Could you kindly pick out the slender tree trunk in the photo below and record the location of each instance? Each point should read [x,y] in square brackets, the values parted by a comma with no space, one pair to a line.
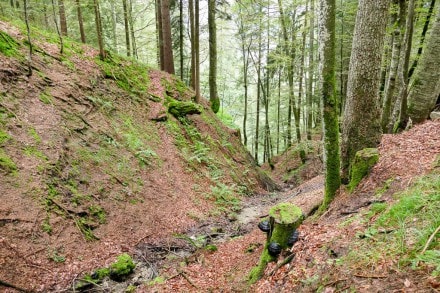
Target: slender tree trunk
[63,21]
[425,84]
[193,50]
[57,28]
[159,29]
[126,27]
[329,99]
[181,37]
[395,59]
[213,95]
[278,111]
[309,93]
[361,126]
[99,29]
[26,19]
[257,113]
[80,22]
[402,104]
[197,48]
[301,67]
[131,22]
[113,22]
[422,39]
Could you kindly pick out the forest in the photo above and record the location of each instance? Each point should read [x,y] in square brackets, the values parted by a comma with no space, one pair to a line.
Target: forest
[162,133]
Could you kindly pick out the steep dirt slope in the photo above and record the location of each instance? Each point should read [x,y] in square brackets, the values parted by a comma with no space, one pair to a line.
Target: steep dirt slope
[92,164]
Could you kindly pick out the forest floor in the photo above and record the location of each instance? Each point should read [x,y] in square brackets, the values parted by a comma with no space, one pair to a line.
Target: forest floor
[403,158]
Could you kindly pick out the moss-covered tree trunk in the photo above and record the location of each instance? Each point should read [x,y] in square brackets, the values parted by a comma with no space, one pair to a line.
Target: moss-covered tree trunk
[284,219]
[425,85]
[361,125]
[329,99]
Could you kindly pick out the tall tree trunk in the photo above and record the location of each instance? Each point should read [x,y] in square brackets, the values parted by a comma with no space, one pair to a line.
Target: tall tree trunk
[213,95]
[99,29]
[181,37]
[131,22]
[26,19]
[395,59]
[197,48]
[57,28]
[168,59]
[290,67]
[63,21]
[329,99]
[301,67]
[113,22]
[400,113]
[278,110]
[126,27]
[258,65]
[309,93]
[425,84]
[159,29]
[193,50]
[361,125]
[80,22]
[422,39]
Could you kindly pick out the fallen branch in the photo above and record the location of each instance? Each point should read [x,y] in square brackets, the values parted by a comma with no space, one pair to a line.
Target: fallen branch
[9,285]
[188,279]
[430,239]
[370,276]
[282,263]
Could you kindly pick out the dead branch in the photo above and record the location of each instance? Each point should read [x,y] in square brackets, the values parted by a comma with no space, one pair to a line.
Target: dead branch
[9,285]
[188,279]
[370,276]
[430,239]
[282,263]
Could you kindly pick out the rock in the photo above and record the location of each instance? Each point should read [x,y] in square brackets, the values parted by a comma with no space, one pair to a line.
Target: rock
[181,109]
[434,115]
[363,161]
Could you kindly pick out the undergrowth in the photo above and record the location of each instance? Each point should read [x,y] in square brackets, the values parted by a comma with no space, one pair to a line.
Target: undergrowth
[402,235]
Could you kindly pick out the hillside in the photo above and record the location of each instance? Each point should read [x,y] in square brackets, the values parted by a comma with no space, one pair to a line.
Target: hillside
[93,163]
[99,158]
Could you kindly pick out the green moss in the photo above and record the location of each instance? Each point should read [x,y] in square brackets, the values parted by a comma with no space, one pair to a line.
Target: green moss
[286,213]
[4,137]
[6,163]
[45,98]
[363,162]
[181,109]
[285,218]
[122,267]
[8,46]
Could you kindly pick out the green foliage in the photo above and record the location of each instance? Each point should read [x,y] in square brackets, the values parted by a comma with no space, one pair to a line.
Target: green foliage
[211,247]
[225,197]
[122,267]
[129,75]
[98,213]
[8,46]
[227,119]
[411,220]
[45,98]
[6,163]
[56,256]
[4,137]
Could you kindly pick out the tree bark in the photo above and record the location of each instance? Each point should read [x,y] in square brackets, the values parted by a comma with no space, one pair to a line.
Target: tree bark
[309,94]
[361,125]
[99,29]
[126,27]
[168,59]
[197,48]
[159,30]
[63,21]
[193,51]
[425,85]
[330,104]
[213,95]
[395,59]
[80,22]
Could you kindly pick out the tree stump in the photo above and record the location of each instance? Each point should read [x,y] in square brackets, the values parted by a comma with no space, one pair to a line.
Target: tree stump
[363,161]
[284,219]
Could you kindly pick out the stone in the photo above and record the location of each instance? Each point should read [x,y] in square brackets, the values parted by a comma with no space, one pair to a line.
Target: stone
[434,115]
[361,166]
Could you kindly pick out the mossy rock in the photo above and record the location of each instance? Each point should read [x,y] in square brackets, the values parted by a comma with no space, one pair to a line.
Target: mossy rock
[284,219]
[122,267]
[181,109]
[363,161]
